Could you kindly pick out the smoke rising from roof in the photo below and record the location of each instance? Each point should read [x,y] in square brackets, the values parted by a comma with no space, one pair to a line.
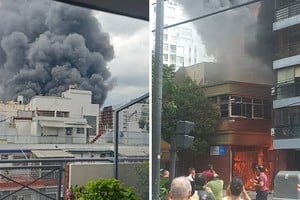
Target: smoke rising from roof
[47,46]
[239,39]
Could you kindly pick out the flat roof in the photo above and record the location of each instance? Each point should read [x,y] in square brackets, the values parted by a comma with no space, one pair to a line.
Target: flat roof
[52,154]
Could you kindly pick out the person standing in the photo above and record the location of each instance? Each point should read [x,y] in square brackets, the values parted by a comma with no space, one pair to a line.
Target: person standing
[191,178]
[202,192]
[236,190]
[209,172]
[216,186]
[180,189]
[261,183]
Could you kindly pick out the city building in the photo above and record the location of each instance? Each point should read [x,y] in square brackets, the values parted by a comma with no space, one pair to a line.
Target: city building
[53,129]
[181,44]
[286,92]
[243,137]
[70,118]
[133,124]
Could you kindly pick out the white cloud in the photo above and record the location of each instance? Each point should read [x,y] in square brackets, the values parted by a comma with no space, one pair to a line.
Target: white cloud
[130,67]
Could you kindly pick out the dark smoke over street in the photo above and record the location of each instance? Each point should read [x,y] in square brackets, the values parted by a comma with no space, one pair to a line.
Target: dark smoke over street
[47,46]
[239,39]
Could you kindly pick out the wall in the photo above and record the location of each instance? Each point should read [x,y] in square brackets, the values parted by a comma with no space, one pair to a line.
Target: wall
[79,174]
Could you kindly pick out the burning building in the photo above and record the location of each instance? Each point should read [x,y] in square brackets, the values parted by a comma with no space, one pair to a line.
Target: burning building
[240,40]
[243,137]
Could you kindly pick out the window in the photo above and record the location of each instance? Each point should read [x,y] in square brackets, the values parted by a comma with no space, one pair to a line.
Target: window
[80,130]
[173,59]
[180,61]
[165,37]
[224,106]
[165,57]
[285,75]
[69,131]
[62,114]
[4,156]
[236,106]
[245,107]
[49,131]
[173,48]
[46,113]
[185,32]
[165,47]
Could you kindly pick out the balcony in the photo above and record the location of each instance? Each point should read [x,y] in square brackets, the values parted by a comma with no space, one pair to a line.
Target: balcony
[287,11]
[288,50]
[286,16]
[286,90]
[287,132]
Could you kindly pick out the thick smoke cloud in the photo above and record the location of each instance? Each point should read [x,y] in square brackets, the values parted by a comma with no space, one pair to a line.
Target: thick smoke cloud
[239,39]
[47,46]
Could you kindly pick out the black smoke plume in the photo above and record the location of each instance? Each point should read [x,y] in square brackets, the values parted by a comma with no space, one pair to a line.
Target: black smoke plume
[47,46]
[240,39]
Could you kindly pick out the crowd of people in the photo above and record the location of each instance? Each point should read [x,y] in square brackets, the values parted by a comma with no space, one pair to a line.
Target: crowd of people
[207,185]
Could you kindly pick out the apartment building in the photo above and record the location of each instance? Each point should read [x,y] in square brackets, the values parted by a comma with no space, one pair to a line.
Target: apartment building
[70,118]
[286,92]
[181,44]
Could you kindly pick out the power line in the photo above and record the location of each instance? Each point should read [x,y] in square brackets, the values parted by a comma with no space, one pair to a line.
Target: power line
[210,14]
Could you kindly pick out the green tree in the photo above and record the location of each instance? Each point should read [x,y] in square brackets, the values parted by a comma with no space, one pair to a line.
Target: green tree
[103,189]
[187,101]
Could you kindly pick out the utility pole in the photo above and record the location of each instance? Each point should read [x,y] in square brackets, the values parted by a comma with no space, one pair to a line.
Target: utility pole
[157,100]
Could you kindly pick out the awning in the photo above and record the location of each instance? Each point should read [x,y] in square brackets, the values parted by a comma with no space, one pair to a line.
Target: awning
[51,154]
[132,8]
[62,125]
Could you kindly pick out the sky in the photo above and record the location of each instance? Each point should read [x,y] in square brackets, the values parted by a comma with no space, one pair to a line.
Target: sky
[130,67]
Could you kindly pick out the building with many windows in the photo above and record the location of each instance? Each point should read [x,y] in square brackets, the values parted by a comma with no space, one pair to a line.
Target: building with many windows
[68,119]
[181,44]
[286,92]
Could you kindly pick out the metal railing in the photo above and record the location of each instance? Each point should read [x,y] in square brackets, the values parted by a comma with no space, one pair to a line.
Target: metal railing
[286,90]
[42,178]
[290,49]
[287,132]
[288,11]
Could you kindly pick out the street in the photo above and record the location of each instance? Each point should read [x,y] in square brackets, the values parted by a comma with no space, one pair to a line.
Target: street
[252,195]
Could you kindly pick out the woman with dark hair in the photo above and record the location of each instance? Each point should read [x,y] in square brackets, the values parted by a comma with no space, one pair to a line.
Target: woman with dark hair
[201,191]
[236,190]
[261,183]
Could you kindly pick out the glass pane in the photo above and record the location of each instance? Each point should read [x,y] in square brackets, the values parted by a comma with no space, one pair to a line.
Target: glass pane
[257,110]
[285,75]
[236,109]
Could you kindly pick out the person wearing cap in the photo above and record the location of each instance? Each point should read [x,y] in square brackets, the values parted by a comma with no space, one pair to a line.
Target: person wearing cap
[209,172]
[261,183]
[216,186]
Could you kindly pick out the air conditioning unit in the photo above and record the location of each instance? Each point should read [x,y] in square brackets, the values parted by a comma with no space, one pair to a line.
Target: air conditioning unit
[272,131]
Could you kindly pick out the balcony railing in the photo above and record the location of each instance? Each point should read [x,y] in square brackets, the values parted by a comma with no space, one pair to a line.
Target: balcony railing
[288,11]
[287,132]
[286,90]
[287,50]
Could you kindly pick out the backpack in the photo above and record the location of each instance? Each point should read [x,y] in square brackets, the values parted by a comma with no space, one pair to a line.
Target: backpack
[203,195]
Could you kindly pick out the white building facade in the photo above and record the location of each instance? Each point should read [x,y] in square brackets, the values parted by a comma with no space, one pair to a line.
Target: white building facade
[182,45]
[68,119]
